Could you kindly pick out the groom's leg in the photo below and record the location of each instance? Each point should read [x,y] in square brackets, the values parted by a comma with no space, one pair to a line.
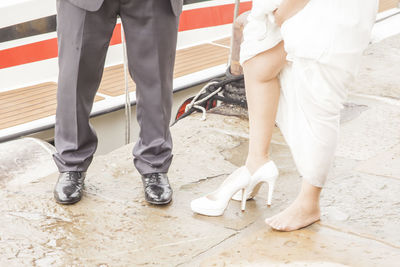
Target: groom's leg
[151,33]
[83,39]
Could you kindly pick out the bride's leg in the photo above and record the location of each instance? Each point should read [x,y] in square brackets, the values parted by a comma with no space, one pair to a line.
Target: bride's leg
[301,213]
[262,93]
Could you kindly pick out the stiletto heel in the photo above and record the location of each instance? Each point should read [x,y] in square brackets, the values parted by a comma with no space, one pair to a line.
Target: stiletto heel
[267,173]
[244,199]
[215,203]
[271,185]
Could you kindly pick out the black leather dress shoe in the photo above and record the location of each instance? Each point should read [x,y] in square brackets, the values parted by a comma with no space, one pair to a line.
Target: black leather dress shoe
[68,189]
[157,189]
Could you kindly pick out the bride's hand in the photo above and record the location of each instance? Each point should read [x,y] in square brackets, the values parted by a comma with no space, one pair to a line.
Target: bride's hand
[278,17]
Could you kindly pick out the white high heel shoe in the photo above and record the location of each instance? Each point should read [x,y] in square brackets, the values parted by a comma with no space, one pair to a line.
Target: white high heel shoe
[267,173]
[215,203]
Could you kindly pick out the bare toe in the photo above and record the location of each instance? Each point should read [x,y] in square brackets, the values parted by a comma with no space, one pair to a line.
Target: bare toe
[275,225]
[269,220]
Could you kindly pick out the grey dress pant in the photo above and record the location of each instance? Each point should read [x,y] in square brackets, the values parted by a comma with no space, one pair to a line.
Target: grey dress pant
[83,37]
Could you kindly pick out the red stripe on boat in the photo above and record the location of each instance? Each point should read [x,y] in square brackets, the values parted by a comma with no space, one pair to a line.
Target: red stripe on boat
[116,37]
[190,20]
[28,53]
[209,16]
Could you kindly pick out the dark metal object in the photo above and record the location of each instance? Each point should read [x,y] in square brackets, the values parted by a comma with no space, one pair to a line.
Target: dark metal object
[237,38]
[233,92]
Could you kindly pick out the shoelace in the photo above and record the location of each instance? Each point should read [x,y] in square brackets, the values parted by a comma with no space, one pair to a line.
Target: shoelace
[70,177]
[154,178]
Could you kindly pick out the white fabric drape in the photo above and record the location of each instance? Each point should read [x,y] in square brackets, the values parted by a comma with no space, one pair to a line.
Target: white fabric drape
[324,43]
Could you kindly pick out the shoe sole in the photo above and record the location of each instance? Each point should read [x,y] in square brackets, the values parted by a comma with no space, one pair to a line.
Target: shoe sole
[207,212]
[159,203]
[67,202]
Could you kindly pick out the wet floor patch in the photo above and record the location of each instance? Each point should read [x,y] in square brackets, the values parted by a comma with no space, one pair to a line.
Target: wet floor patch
[351,111]
[25,160]
[314,246]
[237,155]
[387,163]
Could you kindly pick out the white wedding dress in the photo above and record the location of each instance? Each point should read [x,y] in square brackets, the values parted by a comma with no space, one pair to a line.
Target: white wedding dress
[324,43]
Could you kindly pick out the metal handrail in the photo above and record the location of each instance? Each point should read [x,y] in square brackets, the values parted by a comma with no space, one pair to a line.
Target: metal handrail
[235,15]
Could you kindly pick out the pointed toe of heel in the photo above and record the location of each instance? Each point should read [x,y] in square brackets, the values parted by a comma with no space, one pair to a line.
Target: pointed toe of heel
[214,204]
[204,206]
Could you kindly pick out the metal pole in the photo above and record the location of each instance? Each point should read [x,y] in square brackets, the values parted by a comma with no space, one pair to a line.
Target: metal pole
[235,15]
[128,112]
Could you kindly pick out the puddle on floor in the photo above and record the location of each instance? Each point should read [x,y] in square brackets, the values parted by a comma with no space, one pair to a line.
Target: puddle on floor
[237,155]
[351,111]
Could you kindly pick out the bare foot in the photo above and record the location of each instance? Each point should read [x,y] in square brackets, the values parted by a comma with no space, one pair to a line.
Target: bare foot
[301,213]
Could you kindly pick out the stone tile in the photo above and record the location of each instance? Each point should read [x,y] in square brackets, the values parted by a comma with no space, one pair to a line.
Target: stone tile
[313,246]
[373,131]
[361,203]
[198,146]
[25,160]
[379,72]
[385,164]
[106,227]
